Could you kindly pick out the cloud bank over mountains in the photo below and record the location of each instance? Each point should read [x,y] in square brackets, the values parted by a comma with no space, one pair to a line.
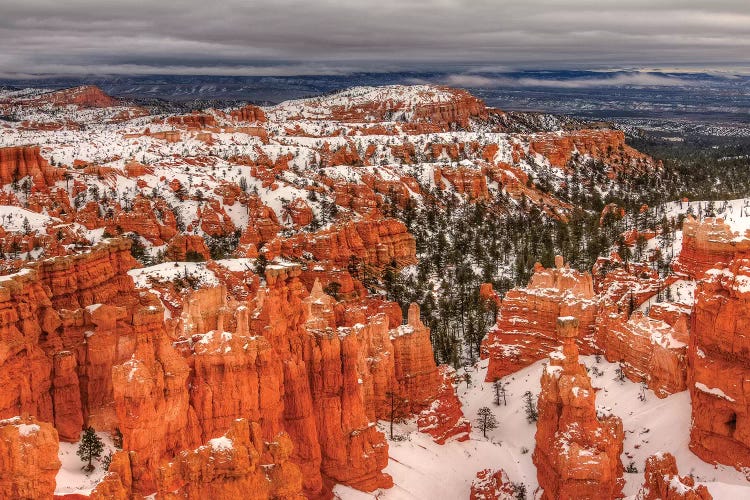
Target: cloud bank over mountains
[290,37]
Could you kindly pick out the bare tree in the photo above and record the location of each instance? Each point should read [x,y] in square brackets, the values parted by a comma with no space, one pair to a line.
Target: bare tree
[486,420]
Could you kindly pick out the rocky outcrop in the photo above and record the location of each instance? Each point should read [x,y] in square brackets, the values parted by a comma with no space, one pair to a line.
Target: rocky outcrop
[154,220]
[597,143]
[214,221]
[47,368]
[709,243]
[184,247]
[193,121]
[371,242]
[96,277]
[472,183]
[426,108]
[526,325]
[248,113]
[649,350]
[663,482]
[28,458]
[577,453]
[627,285]
[234,466]
[492,485]
[719,361]
[444,419]
[117,483]
[457,112]
[299,213]
[85,96]
[18,162]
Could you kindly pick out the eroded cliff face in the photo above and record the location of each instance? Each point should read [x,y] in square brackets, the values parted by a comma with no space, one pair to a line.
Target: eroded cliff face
[444,419]
[597,143]
[649,350]
[577,453]
[283,366]
[28,456]
[55,365]
[526,325]
[19,162]
[719,363]
[709,243]
[373,242]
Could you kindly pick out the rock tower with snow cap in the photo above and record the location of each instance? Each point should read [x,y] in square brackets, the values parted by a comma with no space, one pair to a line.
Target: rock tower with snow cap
[577,453]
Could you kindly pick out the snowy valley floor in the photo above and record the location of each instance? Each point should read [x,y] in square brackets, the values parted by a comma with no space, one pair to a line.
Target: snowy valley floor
[424,470]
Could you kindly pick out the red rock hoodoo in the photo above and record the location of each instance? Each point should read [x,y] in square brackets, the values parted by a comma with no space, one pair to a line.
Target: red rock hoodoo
[492,485]
[20,161]
[577,453]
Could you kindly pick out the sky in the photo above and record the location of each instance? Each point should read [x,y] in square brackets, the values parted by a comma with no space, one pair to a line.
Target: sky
[291,37]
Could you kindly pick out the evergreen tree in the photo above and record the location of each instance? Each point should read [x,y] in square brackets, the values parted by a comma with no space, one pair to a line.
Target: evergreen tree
[91,447]
[260,265]
[332,289]
[530,407]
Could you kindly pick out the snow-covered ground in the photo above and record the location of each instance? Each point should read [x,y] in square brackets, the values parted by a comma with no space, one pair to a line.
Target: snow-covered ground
[422,469]
[681,292]
[71,478]
[736,213]
[171,270]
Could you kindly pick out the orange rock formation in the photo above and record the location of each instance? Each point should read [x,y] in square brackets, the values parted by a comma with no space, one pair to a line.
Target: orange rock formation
[719,361]
[707,244]
[663,482]
[492,485]
[18,162]
[649,350]
[526,326]
[577,454]
[444,419]
[28,458]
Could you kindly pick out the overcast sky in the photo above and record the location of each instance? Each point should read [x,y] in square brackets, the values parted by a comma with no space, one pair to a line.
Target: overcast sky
[287,37]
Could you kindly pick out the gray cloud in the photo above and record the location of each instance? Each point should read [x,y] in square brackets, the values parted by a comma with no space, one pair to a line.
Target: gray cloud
[637,79]
[283,37]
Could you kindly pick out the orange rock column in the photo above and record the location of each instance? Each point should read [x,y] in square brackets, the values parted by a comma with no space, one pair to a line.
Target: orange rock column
[577,455]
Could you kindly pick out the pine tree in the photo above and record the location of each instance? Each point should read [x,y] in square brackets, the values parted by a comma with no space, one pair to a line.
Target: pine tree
[619,374]
[500,393]
[260,265]
[91,447]
[486,420]
[530,407]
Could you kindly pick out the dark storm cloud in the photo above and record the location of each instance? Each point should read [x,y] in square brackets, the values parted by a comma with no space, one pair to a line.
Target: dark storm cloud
[284,37]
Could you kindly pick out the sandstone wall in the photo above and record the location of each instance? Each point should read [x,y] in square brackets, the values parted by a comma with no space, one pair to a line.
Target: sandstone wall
[719,361]
[526,325]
